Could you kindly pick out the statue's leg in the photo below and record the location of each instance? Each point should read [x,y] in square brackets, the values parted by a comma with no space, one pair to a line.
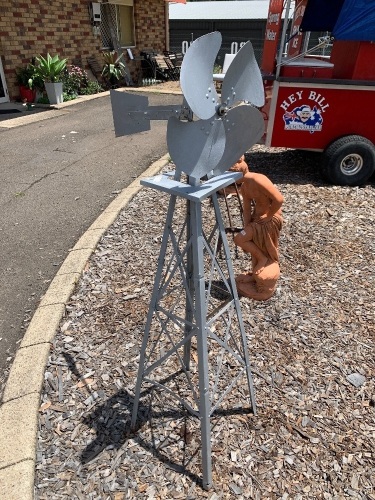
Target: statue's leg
[244,239]
[259,259]
[245,278]
[263,285]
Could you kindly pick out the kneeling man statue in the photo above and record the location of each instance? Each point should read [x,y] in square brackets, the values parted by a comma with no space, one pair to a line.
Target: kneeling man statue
[262,203]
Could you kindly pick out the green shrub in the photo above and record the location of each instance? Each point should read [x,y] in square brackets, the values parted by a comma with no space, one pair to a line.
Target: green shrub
[26,76]
[43,100]
[69,97]
[91,88]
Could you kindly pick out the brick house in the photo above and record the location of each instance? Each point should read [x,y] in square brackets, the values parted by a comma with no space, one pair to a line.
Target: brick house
[77,30]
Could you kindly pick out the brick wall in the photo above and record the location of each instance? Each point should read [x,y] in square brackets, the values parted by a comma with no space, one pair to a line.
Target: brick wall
[150,31]
[150,24]
[64,27]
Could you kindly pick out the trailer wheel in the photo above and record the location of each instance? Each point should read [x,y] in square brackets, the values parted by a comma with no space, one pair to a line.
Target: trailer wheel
[349,161]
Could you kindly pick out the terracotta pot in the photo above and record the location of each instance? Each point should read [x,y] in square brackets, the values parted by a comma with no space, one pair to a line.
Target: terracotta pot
[27,94]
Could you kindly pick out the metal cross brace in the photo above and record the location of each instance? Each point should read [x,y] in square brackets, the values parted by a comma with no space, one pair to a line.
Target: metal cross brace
[186,313]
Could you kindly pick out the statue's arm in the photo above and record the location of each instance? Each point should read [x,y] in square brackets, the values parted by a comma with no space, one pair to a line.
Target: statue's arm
[270,191]
[247,207]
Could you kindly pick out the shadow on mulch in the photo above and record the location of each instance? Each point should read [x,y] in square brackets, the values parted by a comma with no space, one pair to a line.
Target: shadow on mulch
[115,431]
[112,424]
[290,166]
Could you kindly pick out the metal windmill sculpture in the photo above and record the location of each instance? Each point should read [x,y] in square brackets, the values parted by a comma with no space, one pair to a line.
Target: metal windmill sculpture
[194,338]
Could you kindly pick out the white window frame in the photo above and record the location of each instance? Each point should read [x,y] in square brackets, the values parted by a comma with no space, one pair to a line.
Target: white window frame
[5,97]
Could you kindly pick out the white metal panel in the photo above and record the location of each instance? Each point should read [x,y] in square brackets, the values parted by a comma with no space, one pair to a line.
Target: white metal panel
[245,9]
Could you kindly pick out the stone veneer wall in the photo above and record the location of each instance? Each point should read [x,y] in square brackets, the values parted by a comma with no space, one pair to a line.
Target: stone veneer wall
[63,27]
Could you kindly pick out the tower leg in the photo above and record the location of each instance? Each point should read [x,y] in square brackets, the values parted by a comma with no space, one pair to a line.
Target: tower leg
[201,314]
[236,301]
[154,300]
[189,311]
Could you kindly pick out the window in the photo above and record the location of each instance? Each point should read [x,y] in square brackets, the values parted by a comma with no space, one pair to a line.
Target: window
[117,26]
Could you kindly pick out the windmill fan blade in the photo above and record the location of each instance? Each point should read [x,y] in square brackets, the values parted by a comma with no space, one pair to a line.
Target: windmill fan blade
[196,147]
[244,126]
[196,75]
[243,80]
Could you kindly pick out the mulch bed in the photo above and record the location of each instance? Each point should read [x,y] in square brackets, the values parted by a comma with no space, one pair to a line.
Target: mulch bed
[311,350]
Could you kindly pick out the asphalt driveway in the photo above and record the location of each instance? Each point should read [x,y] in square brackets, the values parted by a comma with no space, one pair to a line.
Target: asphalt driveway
[57,174]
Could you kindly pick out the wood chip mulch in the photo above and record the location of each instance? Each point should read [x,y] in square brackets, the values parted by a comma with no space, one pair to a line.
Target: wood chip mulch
[311,350]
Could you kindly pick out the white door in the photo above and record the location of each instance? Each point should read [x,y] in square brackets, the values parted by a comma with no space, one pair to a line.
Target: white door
[4,96]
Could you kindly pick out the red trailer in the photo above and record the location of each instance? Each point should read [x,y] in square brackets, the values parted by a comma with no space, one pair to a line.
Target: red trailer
[317,102]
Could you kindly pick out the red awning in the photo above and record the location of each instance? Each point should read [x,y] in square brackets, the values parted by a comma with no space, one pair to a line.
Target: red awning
[176,1]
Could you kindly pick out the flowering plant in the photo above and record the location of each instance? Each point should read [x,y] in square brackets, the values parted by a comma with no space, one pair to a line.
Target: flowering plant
[74,80]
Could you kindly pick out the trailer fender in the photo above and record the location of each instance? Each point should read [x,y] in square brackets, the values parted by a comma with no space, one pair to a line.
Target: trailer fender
[349,161]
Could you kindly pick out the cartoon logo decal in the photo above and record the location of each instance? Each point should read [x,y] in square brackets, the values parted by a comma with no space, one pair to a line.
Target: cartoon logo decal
[308,115]
[303,118]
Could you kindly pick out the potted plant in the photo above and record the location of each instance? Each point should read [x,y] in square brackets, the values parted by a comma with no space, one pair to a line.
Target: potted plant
[50,69]
[113,69]
[28,82]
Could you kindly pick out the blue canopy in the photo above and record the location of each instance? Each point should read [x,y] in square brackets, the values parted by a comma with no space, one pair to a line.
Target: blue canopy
[345,19]
[356,21]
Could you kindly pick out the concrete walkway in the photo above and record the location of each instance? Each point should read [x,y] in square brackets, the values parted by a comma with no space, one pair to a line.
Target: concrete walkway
[14,114]
[21,399]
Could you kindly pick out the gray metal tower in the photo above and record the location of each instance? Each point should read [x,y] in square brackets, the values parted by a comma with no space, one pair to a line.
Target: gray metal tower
[194,345]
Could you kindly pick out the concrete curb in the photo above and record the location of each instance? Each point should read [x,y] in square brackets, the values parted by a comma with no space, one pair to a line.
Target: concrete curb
[21,399]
